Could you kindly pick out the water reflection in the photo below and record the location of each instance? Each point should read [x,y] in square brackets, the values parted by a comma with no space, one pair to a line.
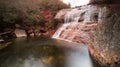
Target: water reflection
[79,58]
[44,52]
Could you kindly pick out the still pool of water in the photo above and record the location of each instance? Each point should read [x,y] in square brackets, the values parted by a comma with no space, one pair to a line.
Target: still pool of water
[44,52]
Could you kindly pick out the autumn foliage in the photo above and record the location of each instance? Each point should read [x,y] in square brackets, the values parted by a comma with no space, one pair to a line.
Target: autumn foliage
[30,12]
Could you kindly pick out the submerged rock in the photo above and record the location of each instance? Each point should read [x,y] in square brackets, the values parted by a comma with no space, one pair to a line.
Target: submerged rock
[3,45]
[20,33]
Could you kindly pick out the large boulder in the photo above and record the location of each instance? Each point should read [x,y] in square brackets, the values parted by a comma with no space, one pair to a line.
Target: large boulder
[105,43]
[1,40]
[20,33]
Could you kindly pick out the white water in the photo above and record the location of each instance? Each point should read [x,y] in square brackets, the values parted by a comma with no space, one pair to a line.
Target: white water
[70,28]
[58,32]
[72,16]
[63,31]
[91,11]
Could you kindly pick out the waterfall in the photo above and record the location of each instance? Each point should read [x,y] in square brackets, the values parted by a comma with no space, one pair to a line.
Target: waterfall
[58,32]
[72,16]
[70,19]
[74,21]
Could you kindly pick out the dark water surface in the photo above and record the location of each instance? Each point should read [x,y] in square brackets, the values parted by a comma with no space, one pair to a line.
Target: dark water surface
[44,52]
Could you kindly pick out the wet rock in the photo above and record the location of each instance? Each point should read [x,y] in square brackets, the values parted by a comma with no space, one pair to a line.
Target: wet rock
[38,34]
[20,33]
[49,33]
[77,32]
[30,31]
[17,26]
[32,35]
[1,40]
[61,13]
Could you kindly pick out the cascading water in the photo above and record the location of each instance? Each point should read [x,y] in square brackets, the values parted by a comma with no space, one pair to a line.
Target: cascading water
[72,16]
[58,32]
[71,28]
[91,13]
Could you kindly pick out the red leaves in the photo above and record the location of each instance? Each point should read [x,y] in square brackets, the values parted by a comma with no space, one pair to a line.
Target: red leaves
[47,15]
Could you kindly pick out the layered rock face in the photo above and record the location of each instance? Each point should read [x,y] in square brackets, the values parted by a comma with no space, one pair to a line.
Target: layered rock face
[75,32]
[99,27]
[105,41]
[79,24]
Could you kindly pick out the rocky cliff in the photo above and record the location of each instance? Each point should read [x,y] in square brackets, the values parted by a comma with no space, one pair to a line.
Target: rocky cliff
[105,43]
[99,28]
[79,23]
